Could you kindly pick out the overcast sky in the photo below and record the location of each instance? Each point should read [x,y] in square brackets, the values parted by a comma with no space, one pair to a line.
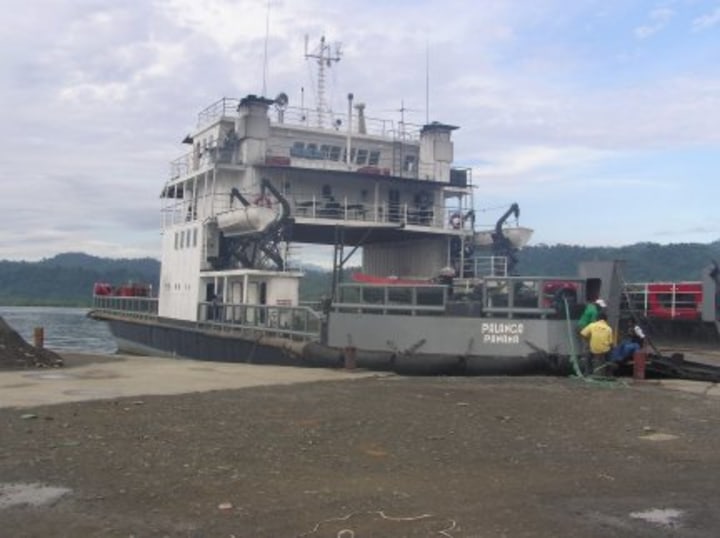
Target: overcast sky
[601,118]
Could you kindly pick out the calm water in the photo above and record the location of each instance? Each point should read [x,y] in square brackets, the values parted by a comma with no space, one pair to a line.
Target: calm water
[66,329]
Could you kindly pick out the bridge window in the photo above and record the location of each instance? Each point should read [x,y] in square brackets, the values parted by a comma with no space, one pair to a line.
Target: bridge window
[297,149]
[374,158]
[311,152]
[335,153]
[352,154]
[409,165]
[362,155]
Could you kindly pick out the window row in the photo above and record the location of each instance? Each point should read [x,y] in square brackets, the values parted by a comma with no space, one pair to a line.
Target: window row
[186,238]
[358,156]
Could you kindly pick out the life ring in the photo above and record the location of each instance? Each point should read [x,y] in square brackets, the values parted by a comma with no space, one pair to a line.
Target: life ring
[456,221]
[263,201]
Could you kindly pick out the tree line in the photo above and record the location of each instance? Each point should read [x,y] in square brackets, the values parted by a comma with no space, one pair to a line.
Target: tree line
[68,279]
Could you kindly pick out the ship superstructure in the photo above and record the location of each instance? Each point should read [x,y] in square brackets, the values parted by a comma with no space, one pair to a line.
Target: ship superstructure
[261,175]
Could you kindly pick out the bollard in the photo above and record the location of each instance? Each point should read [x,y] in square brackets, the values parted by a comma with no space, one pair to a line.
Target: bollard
[39,337]
[349,356]
[639,361]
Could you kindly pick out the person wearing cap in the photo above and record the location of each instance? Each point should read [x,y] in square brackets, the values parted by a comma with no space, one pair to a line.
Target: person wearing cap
[590,314]
[599,335]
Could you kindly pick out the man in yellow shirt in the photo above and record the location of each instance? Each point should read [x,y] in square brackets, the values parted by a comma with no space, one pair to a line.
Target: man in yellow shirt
[600,337]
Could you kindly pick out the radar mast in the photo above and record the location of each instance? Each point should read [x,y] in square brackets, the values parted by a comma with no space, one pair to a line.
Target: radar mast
[325,55]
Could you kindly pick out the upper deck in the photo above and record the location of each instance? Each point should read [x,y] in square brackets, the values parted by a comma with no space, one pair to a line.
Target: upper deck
[305,138]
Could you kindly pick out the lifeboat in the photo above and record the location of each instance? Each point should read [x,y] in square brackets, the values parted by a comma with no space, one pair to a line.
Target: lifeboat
[245,220]
[518,236]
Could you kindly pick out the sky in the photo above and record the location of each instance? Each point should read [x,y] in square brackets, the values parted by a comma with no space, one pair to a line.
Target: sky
[600,118]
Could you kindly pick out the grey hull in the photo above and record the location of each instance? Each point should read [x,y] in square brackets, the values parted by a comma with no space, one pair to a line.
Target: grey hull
[169,338]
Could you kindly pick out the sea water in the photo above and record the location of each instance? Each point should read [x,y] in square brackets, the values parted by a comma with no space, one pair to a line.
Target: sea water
[66,330]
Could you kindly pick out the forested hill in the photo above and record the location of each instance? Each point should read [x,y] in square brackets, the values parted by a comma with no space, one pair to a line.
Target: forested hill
[67,279]
[644,262]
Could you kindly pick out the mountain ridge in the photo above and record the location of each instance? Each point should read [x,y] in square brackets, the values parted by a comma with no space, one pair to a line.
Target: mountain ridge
[67,279]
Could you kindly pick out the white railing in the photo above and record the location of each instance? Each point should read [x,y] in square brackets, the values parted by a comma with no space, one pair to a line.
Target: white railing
[294,322]
[306,117]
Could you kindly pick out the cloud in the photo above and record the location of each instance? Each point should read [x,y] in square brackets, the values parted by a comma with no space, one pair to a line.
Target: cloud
[100,94]
[659,18]
[503,168]
[706,21]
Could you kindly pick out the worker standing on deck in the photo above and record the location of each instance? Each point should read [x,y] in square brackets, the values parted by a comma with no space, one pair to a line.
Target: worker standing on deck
[589,315]
[600,337]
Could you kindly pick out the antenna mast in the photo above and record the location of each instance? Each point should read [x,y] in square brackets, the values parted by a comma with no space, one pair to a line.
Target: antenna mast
[265,55]
[325,57]
[427,83]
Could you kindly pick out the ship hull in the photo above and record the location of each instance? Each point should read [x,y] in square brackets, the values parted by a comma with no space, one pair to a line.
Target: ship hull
[171,338]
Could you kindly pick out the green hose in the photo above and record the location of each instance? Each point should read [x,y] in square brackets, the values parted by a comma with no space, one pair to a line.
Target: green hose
[573,355]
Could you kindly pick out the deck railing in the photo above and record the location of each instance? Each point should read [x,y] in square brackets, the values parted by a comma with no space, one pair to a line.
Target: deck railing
[306,117]
[505,297]
[294,322]
[133,305]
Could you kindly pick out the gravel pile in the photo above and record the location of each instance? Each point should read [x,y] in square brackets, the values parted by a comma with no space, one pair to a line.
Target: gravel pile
[17,354]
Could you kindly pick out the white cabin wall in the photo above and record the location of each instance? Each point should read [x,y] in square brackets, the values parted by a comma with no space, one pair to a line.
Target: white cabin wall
[436,154]
[253,129]
[420,259]
[179,277]
[283,291]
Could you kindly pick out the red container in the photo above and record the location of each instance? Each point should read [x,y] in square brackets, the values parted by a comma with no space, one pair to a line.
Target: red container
[639,361]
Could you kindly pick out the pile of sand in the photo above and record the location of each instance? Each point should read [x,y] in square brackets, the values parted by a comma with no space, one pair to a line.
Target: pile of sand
[17,354]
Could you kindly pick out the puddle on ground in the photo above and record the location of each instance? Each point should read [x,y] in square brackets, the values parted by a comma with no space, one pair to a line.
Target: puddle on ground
[97,374]
[49,375]
[663,517]
[658,437]
[93,393]
[32,494]
[17,386]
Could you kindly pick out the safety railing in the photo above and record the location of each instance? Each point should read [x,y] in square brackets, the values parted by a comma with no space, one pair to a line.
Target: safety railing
[134,305]
[294,322]
[664,300]
[225,107]
[306,117]
[503,297]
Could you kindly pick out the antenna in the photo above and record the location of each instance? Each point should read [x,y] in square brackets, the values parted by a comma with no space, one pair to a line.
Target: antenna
[427,83]
[325,57]
[265,56]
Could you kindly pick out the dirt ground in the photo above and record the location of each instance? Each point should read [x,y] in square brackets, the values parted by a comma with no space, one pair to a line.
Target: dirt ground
[383,456]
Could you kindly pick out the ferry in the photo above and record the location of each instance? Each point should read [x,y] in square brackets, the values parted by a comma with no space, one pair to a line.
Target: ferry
[436,294]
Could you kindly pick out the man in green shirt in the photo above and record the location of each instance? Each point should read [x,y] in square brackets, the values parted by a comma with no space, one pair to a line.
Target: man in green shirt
[590,314]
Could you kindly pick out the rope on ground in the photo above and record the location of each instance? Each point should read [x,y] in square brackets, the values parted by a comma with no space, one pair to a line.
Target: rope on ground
[349,533]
